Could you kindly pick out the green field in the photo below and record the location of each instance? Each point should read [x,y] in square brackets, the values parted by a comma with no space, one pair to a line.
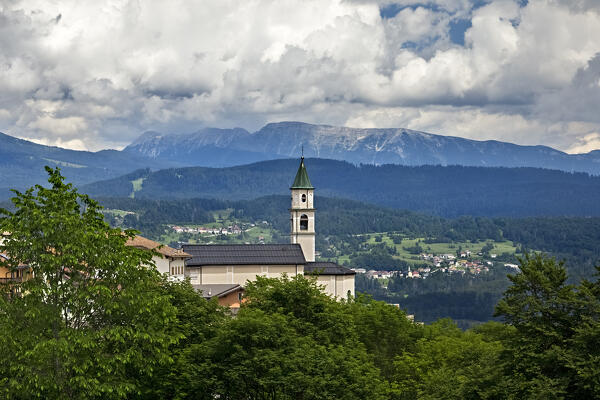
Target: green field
[223,219]
[120,213]
[137,186]
[401,252]
[265,233]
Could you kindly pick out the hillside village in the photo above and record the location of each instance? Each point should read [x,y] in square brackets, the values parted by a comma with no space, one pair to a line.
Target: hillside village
[462,262]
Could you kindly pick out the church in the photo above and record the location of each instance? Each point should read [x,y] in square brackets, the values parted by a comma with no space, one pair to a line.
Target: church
[223,270]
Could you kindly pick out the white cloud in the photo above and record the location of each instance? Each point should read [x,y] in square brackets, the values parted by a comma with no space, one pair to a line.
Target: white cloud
[59,126]
[102,72]
[586,144]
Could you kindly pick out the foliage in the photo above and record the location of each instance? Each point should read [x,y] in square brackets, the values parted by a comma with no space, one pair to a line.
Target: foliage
[450,364]
[289,341]
[92,309]
[197,321]
[554,352]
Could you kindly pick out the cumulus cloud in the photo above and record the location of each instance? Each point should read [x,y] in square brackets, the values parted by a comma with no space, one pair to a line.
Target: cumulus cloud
[96,74]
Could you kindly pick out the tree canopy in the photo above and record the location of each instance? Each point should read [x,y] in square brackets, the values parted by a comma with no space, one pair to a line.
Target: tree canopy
[91,310]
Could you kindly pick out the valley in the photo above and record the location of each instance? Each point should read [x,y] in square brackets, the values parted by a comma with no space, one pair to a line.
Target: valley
[458,266]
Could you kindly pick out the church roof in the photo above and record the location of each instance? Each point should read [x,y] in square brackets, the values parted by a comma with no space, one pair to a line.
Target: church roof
[301,181]
[244,254]
[326,268]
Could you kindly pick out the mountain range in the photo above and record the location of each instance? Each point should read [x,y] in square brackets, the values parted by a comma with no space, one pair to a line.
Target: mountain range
[446,191]
[22,164]
[212,147]
[21,161]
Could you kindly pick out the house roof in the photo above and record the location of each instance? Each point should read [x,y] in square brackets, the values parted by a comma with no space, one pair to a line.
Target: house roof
[218,290]
[144,243]
[301,181]
[244,254]
[326,268]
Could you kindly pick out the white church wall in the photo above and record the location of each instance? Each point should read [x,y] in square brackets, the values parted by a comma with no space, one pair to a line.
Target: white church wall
[348,285]
[243,273]
[194,274]
[216,274]
[337,285]
[240,274]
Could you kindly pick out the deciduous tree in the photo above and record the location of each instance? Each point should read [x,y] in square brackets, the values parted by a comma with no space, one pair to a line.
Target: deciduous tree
[93,319]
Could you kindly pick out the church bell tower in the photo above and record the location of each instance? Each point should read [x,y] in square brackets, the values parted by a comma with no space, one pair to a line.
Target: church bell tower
[302,213]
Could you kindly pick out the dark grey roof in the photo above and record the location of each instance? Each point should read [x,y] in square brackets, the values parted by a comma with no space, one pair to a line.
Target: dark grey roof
[218,290]
[244,254]
[326,268]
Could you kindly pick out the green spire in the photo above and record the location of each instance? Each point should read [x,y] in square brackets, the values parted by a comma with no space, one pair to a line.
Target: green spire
[301,181]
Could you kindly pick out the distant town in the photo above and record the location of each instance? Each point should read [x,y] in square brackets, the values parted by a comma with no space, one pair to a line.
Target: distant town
[444,263]
[463,262]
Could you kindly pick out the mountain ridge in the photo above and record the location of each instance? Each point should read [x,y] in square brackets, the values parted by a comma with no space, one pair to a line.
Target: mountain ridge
[357,145]
[445,191]
[22,163]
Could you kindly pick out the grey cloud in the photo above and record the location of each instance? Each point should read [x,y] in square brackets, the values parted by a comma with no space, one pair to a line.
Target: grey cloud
[576,102]
[102,74]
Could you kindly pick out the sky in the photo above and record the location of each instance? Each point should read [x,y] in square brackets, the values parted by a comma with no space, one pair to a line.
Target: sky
[91,75]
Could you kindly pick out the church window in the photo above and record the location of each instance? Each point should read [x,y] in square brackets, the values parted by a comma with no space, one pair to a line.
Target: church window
[303,222]
[304,198]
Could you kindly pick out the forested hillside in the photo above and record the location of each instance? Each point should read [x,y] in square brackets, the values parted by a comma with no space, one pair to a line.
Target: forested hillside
[341,228]
[445,191]
[22,164]
[576,239]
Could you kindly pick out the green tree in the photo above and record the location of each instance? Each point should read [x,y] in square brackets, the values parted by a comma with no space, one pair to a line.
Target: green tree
[261,355]
[313,312]
[554,351]
[190,375]
[450,364]
[93,319]
[292,341]
[385,331]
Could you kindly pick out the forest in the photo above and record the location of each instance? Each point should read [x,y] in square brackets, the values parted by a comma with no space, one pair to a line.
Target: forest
[448,191]
[96,321]
[573,239]
[467,299]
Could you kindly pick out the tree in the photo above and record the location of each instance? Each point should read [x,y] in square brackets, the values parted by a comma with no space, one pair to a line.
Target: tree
[554,351]
[314,312]
[191,374]
[384,330]
[450,364]
[290,341]
[93,320]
